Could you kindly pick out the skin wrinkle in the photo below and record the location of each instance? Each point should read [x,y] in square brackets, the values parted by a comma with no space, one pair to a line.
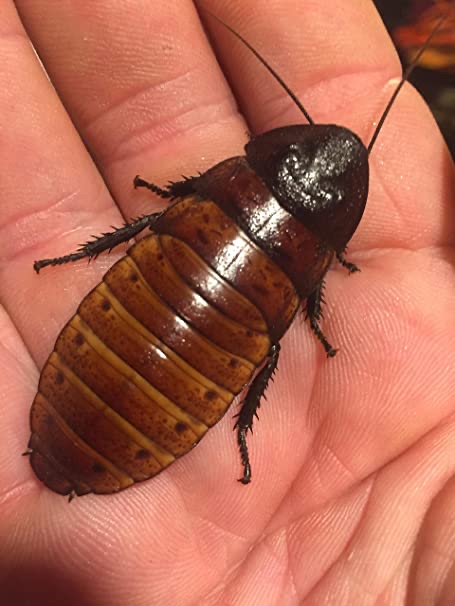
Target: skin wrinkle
[291,573]
[339,495]
[381,183]
[16,492]
[199,518]
[221,588]
[333,456]
[355,530]
[285,529]
[287,576]
[376,473]
[59,235]
[397,585]
[409,553]
[229,573]
[196,542]
[217,572]
[446,556]
[233,567]
[17,361]
[371,476]
[416,441]
[24,217]
[402,219]
[16,34]
[213,595]
[164,140]
[132,96]
[422,546]
[444,586]
[314,435]
[261,534]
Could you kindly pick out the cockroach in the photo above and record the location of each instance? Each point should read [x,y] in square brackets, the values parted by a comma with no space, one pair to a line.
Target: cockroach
[194,313]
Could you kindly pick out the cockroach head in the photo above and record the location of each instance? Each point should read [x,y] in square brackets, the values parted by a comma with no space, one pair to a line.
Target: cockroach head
[319,173]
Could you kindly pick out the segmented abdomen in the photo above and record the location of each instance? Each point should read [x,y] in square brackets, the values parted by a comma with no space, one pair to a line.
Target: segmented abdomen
[155,353]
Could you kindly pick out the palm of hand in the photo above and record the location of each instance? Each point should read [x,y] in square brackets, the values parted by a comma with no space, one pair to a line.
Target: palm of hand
[352,498]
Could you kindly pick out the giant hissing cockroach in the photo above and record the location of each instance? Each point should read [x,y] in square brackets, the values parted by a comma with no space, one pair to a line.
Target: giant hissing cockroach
[156,353]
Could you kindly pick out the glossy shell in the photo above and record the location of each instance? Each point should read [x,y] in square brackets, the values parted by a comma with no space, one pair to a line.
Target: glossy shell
[156,353]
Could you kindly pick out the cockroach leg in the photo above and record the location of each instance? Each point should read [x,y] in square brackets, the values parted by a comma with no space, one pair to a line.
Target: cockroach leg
[159,191]
[250,406]
[174,189]
[106,241]
[314,314]
[351,267]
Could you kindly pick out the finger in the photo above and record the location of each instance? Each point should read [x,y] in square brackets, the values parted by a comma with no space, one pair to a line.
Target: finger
[16,392]
[316,48]
[52,195]
[339,61]
[142,86]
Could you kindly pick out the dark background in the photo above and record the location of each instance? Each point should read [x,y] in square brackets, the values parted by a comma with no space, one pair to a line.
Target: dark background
[436,83]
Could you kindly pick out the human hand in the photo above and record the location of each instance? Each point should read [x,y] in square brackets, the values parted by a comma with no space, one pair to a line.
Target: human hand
[353,495]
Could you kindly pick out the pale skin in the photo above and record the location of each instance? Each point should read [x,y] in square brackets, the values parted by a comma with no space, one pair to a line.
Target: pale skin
[353,494]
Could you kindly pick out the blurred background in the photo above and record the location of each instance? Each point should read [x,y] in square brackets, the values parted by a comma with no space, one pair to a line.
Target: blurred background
[410,22]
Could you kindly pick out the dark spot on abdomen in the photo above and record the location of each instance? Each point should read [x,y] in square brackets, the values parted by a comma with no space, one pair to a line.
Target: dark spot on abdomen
[180,427]
[79,339]
[98,468]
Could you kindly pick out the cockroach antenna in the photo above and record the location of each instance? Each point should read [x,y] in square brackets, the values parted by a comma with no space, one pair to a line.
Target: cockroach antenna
[404,79]
[264,63]
[278,78]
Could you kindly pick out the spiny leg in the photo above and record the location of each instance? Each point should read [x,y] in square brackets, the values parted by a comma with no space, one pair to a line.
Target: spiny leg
[102,243]
[175,189]
[351,267]
[250,407]
[314,315]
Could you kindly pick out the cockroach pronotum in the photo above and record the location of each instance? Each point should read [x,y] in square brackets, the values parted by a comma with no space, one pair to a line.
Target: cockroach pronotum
[194,313]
